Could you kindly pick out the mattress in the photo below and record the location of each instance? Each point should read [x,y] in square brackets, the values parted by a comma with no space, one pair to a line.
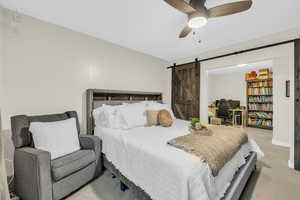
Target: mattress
[164,172]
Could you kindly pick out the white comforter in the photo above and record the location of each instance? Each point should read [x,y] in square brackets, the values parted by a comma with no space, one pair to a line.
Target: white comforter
[165,172]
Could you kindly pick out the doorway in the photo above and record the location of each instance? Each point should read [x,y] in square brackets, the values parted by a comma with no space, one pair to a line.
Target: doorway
[241,95]
[283,106]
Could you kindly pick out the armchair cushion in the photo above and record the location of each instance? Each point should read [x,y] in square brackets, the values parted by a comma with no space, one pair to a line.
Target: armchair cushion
[66,165]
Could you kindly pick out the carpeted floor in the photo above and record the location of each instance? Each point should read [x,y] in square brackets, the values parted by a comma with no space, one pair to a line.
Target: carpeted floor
[273,180]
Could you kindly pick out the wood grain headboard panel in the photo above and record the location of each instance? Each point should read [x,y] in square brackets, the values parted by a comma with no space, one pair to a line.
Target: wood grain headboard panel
[97,97]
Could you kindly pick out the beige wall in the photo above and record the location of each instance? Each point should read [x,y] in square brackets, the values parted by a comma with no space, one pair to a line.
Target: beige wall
[1,60]
[235,87]
[48,68]
[3,183]
[1,64]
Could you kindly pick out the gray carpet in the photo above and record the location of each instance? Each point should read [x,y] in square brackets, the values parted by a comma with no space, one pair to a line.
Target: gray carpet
[103,188]
[273,180]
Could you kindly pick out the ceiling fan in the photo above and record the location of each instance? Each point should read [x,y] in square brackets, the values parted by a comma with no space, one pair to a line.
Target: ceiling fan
[198,13]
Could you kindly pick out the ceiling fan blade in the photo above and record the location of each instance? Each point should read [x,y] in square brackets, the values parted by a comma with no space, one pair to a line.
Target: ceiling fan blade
[229,8]
[181,5]
[185,31]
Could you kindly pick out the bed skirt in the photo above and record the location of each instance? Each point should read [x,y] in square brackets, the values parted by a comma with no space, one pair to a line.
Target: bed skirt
[140,194]
[233,192]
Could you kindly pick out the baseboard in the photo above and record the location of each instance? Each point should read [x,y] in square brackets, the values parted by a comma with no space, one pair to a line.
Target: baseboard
[279,143]
[291,164]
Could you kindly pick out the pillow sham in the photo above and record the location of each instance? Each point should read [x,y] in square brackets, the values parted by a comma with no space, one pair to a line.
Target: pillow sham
[100,117]
[152,117]
[140,102]
[114,117]
[133,115]
[59,138]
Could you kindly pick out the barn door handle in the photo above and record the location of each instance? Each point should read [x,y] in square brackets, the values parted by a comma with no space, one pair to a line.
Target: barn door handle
[287,88]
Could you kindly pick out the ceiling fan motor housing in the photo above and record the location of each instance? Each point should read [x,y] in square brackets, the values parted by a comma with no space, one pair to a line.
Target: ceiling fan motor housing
[198,19]
[202,12]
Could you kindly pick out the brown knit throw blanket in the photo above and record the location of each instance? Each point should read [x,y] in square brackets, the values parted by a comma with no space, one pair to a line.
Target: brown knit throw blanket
[216,150]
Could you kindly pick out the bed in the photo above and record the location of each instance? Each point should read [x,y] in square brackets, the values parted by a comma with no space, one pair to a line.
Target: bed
[164,172]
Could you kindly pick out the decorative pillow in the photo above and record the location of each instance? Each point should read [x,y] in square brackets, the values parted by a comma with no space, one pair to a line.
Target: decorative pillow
[152,117]
[159,106]
[59,138]
[165,118]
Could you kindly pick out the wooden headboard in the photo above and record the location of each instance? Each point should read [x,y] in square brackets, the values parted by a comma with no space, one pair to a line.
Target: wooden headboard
[97,97]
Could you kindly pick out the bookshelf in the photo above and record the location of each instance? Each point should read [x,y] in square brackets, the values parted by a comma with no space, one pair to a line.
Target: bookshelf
[260,103]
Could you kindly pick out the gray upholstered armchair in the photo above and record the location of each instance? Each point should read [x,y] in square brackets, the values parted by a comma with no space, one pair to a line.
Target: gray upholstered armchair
[37,177]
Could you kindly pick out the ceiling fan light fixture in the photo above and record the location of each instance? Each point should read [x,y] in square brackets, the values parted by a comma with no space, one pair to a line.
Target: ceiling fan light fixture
[197,22]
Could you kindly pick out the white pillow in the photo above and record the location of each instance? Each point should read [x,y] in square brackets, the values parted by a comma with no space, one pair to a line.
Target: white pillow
[159,106]
[109,112]
[113,116]
[59,138]
[141,102]
[100,117]
[133,115]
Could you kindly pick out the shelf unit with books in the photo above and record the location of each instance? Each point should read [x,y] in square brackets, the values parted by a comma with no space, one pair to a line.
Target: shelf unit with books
[260,103]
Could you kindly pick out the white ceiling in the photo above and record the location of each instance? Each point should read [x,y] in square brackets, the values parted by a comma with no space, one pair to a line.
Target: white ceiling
[152,26]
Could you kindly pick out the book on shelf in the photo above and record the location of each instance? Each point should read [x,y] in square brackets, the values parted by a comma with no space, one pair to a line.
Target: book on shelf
[261,83]
[260,91]
[260,99]
[260,122]
[261,115]
[262,74]
[262,107]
